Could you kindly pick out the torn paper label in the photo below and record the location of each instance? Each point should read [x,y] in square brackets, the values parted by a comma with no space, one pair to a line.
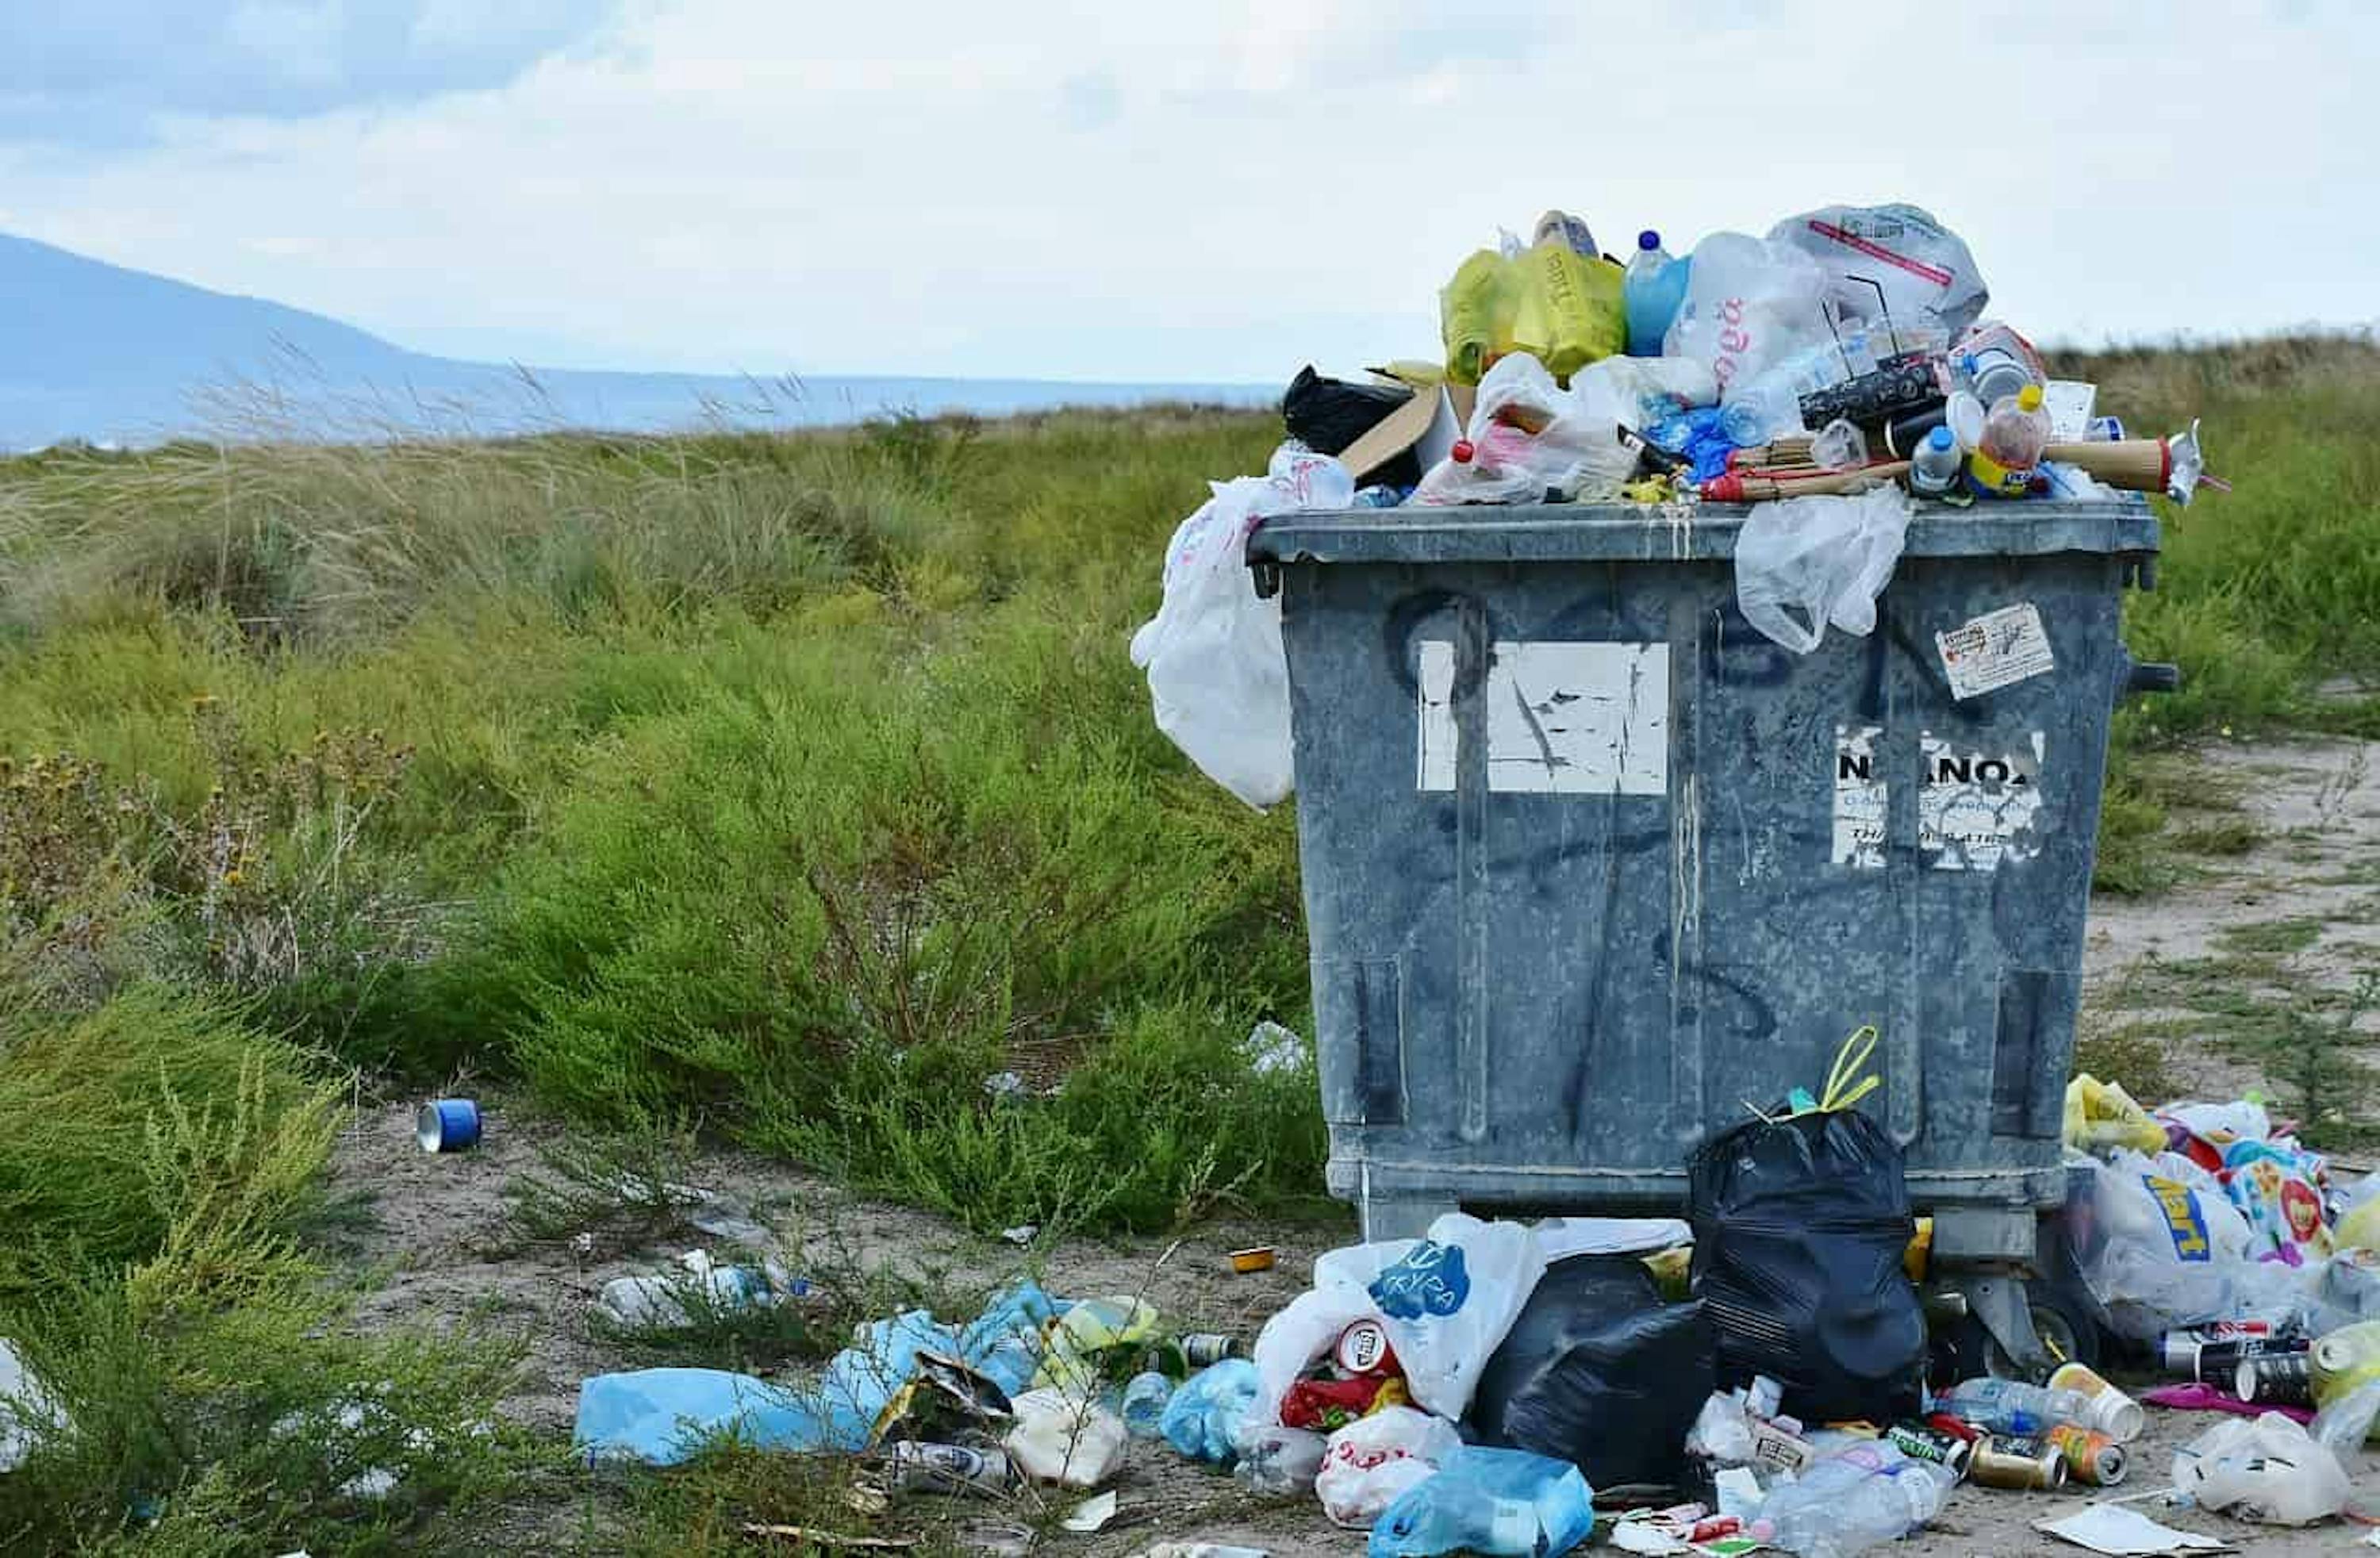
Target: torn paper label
[1860,795]
[1573,719]
[1994,650]
[1975,808]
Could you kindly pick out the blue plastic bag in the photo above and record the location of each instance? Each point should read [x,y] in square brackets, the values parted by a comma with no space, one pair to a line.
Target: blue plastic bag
[662,1416]
[1206,1413]
[1505,1503]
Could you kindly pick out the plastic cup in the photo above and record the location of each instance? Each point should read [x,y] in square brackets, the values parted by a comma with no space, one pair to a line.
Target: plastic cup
[2112,1412]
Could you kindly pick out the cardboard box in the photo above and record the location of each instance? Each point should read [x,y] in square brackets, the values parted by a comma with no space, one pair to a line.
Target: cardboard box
[1427,424]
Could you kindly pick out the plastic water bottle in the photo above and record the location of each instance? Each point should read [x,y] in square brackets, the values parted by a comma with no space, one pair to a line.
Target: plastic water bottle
[1934,467]
[1853,1502]
[1652,292]
[2011,1407]
[1144,1404]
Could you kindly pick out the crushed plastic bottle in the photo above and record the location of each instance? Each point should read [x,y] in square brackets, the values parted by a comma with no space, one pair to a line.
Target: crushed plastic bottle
[1851,1502]
[2011,1407]
[1500,1504]
[1145,1396]
[1652,292]
[1278,1461]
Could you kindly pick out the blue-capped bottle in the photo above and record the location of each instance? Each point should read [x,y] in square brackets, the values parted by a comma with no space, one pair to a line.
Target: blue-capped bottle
[1652,292]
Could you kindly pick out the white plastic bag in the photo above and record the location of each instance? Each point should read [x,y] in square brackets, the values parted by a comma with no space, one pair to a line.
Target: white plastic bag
[1309,1326]
[1748,304]
[1528,435]
[1216,669]
[1823,557]
[1371,1462]
[1448,1301]
[2266,1468]
[1066,1439]
[1889,259]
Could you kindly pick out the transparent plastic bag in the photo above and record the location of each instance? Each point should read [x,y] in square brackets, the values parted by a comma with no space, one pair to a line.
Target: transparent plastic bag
[1275,1461]
[2268,1469]
[1890,261]
[1748,304]
[1804,562]
[1527,435]
[1217,673]
[2159,1251]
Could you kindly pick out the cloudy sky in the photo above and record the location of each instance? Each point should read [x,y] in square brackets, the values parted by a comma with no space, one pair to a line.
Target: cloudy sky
[1214,191]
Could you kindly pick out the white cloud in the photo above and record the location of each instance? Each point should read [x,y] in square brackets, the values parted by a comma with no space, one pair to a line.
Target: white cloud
[950,188]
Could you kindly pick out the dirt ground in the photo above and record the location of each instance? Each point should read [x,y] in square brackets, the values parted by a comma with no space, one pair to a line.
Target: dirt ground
[434,1234]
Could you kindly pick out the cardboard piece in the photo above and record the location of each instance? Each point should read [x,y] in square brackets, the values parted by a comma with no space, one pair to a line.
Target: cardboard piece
[2126,1533]
[1427,424]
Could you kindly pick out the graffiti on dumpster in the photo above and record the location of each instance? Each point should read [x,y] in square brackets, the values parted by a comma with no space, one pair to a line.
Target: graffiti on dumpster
[1571,719]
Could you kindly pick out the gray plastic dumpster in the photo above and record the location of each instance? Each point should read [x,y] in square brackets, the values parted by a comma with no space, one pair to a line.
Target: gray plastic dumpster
[1592,866]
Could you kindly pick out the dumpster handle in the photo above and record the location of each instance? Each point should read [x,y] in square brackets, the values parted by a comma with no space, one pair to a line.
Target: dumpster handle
[2154,676]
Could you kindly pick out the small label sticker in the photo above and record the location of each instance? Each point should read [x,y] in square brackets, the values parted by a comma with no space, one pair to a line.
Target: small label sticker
[1994,650]
[1573,719]
[1860,795]
[1975,809]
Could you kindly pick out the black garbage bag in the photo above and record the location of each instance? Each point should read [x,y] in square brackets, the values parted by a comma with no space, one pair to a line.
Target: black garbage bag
[1598,1372]
[1326,415]
[1800,1227]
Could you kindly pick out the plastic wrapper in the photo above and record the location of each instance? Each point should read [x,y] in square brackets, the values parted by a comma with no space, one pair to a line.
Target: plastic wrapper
[1805,563]
[2267,1470]
[1598,1372]
[1372,1462]
[1218,675]
[1889,262]
[1800,1226]
[1749,304]
[2279,1190]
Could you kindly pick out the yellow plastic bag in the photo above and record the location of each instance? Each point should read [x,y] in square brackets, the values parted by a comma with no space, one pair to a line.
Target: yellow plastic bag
[1569,311]
[2102,1115]
[1475,314]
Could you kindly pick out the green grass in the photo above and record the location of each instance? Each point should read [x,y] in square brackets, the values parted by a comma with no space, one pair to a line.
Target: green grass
[775,790]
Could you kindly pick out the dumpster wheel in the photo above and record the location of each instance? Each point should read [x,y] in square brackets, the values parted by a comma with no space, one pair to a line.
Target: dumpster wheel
[2067,1331]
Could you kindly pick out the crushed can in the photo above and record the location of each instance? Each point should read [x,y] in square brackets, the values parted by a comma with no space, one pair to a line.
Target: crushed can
[2008,1461]
[2092,1455]
[920,1468]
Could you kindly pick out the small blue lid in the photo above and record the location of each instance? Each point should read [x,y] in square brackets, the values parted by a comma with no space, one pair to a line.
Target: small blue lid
[1941,438]
[1649,238]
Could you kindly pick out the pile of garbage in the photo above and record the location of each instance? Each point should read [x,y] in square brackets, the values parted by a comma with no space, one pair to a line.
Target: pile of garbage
[1759,1374]
[1832,374]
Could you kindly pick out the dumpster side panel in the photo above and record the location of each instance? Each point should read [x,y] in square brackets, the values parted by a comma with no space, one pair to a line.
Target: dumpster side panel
[1590,867]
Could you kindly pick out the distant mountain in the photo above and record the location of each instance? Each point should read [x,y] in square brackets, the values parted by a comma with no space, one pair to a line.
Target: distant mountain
[94,351]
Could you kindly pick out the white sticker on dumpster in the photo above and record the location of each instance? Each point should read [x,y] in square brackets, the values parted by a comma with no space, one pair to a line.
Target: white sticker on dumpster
[1976,808]
[1860,795]
[1994,650]
[1571,719]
